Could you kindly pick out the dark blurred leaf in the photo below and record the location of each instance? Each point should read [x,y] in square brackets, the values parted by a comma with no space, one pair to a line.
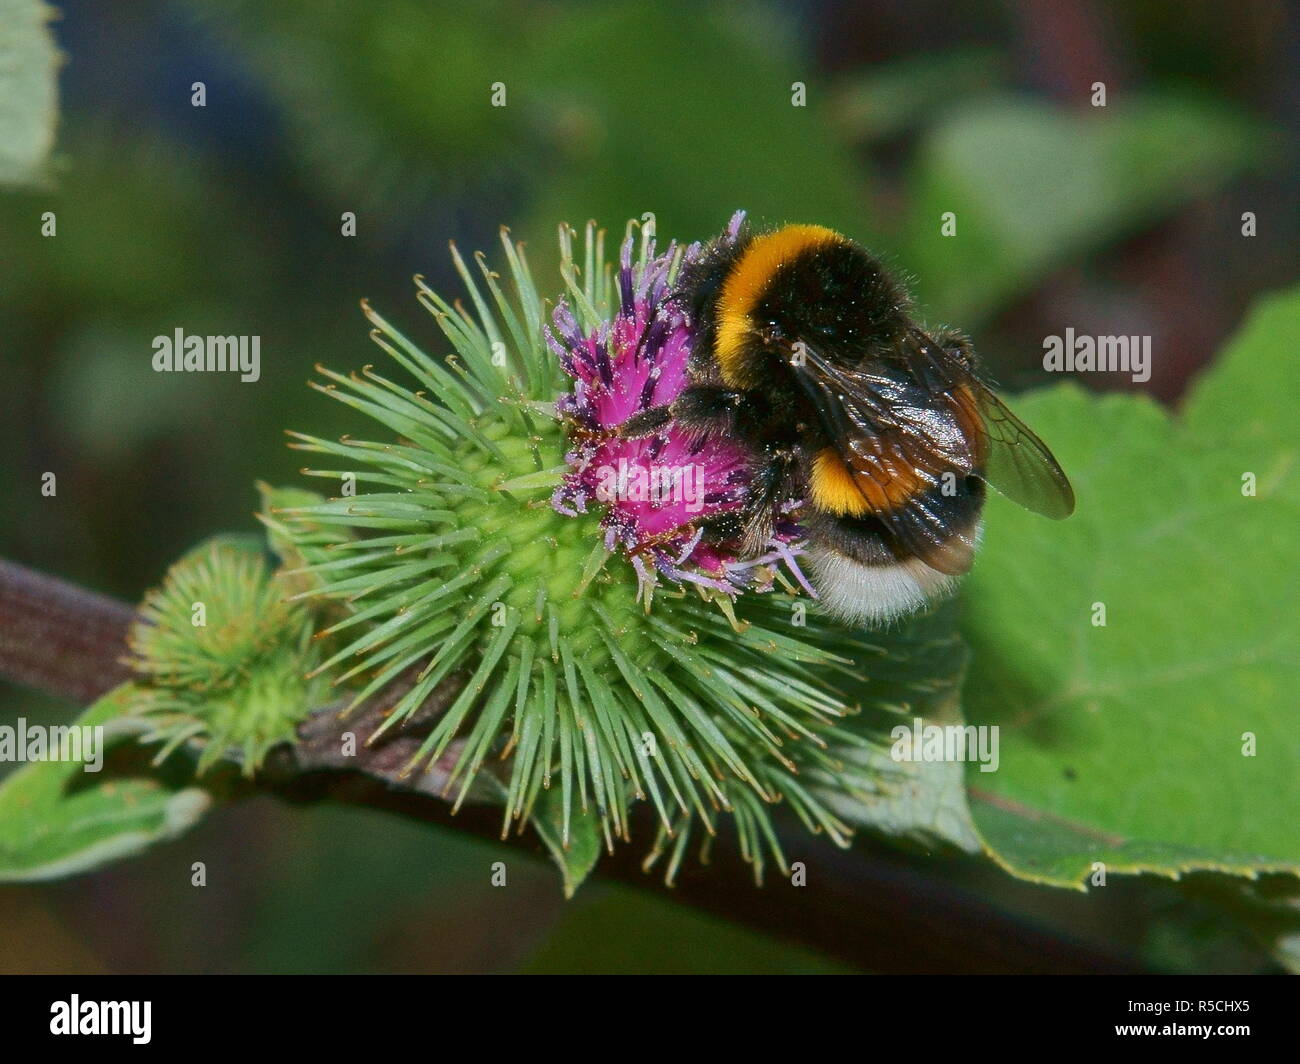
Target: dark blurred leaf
[682,111]
[623,931]
[1034,188]
[884,100]
[386,106]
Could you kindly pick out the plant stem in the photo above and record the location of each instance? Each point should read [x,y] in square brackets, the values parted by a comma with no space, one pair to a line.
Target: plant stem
[60,638]
[872,911]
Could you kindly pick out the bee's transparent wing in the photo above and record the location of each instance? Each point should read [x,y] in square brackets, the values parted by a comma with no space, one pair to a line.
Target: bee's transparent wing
[1012,458]
[1018,464]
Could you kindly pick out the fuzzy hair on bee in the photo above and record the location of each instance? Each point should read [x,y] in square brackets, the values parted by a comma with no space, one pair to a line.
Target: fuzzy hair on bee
[806,354]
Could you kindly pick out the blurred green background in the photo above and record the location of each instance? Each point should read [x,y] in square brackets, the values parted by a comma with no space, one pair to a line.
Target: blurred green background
[226,219]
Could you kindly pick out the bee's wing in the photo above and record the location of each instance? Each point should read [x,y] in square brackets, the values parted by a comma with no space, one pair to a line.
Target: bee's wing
[1018,463]
[882,434]
[1012,458]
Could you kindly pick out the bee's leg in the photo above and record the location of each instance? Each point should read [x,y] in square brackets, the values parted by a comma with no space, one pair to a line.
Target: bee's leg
[706,408]
[770,485]
[646,423]
[958,345]
[701,409]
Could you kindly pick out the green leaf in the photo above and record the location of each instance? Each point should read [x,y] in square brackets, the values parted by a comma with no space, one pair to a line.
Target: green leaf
[1033,188]
[28,90]
[576,855]
[57,820]
[1124,744]
[310,541]
[579,856]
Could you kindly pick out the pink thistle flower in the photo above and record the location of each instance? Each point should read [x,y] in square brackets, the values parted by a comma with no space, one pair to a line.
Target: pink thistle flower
[663,494]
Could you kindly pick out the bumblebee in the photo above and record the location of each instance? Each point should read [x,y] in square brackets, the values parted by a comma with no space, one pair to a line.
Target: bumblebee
[806,354]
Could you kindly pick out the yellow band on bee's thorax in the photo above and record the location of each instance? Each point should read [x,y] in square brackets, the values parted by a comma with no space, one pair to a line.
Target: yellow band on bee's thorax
[744,286]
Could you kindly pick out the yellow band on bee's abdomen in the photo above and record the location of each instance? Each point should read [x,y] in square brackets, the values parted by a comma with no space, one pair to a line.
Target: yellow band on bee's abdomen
[838,490]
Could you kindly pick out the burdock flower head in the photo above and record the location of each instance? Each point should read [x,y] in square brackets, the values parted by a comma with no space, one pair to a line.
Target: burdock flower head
[497,543]
[662,495]
[220,657]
